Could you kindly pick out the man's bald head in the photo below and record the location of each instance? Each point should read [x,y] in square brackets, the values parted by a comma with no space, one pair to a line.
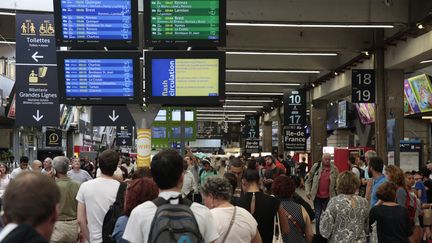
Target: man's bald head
[326,158]
[36,165]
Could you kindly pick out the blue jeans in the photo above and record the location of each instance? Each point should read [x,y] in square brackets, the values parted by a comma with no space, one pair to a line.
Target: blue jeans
[320,204]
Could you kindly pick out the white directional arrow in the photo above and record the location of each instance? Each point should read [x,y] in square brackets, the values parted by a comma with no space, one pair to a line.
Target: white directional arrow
[113,117]
[35,56]
[37,117]
[124,142]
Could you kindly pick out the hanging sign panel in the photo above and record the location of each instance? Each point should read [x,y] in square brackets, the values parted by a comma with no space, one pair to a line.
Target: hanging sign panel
[363,86]
[295,108]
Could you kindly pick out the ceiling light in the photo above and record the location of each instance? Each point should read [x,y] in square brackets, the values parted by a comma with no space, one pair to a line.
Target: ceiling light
[420,26]
[224,111]
[426,61]
[251,101]
[313,85]
[249,93]
[280,53]
[310,25]
[336,73]
[265,84]
[426,117]
[366,53]
[244,106]
[8,42]
[269,71]
[7,13]
[221,115]
[331,103]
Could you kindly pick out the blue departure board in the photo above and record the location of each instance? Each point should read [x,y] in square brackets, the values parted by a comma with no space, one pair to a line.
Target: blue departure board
[99,77]
[96,21]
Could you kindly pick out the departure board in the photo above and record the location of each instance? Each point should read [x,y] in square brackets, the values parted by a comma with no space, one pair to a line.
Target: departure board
[106,77]
[98,77]
[96,21]
[185,21]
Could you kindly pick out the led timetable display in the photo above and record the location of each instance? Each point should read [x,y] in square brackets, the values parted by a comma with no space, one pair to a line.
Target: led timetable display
[194,22]
[107,78]
[96,21]
[99,77]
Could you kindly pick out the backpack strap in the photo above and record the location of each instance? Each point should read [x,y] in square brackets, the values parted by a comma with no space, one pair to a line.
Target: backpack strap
[120,194]
[230,226]
[161,201]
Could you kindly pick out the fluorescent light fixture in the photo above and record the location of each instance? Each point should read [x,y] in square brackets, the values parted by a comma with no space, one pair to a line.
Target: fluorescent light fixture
[8,42]
[313,85]
[384,26]
[427,117]
[426,61]
[221,115]
[265,84]
[223,111]
[244,106]
[249,93]
[280,53]
[7,13]
[420,26]
[250,101]
[269,71]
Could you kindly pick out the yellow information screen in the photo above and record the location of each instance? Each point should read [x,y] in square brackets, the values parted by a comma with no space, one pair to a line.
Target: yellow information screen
[185,77]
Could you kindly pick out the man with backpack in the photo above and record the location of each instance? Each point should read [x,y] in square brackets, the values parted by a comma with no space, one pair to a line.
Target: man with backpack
[170,218]
[96,199]
[321,185]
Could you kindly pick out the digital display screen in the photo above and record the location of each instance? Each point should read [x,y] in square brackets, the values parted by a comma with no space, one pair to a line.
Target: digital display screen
[366,112]
[100,77]
[185,22]
[158,132]
[161,115]
[422,92]
[185,77]
[176,132]
[176,115]
[96,21]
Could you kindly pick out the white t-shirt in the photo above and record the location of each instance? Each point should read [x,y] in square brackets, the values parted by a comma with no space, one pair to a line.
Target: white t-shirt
[356,171]
[139,223]
[16,172]
[97,195]
[243,229]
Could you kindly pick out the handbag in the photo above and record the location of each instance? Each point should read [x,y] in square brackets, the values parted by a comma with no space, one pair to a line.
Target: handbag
[427,215]
[277,235]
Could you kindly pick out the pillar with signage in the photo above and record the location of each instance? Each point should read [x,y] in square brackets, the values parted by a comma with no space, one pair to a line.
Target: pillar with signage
[36,71]
[295,120]
[143,147]
[251,134]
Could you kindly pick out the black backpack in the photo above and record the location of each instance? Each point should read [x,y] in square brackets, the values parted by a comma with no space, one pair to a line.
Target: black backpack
[174,223]
[114,212]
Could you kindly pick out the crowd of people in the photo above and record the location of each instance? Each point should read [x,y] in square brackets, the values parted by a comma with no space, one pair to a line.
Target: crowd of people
[235,199]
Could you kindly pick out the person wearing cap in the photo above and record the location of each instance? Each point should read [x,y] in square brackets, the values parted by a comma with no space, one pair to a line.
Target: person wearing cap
[206,171]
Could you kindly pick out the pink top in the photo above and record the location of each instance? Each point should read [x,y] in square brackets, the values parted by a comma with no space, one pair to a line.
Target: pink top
[324,183]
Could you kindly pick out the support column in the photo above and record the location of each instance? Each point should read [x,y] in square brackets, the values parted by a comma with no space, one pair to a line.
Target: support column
[267,136]
[395,106]
[280,120]
[380,96]
[318,129]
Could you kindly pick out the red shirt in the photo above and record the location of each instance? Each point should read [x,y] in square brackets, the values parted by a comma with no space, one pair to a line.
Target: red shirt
[280,166]
[324,183]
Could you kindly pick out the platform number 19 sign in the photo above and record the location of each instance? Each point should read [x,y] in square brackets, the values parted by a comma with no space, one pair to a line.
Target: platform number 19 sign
[363,86]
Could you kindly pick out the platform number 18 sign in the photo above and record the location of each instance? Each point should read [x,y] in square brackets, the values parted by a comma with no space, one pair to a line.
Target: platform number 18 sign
[363,86]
